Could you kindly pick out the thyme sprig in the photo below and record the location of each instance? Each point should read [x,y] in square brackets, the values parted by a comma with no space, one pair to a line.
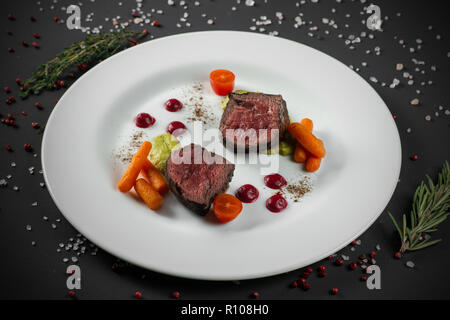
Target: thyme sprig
[94,48]
[430,207]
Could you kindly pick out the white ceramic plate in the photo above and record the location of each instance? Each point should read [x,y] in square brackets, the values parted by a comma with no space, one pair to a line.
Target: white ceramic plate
[95,116]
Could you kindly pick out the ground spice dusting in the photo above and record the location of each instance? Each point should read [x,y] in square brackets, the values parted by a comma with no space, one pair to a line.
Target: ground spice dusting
[125,153]
[296,190]
[195,103]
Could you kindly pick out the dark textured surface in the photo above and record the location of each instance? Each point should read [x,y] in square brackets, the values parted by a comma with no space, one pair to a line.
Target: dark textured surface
[39,272]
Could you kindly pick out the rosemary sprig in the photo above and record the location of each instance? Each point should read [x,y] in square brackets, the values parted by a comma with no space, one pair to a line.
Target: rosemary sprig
[94,48]
[430,207]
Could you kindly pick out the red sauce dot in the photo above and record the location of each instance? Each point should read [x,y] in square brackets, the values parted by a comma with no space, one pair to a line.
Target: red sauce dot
[275,181]
[144,120]
[176,128]
[247,193]
[173,105]
[276,203]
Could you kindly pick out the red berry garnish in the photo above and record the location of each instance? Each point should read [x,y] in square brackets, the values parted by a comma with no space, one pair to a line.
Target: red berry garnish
[363,278]
[339,262]
[155,23]
[175,294]
[352,266]
[27,146]
[334,291]
[71,293]
[38,105]
[56,19]
[35,45]
[398,255]
[306,286]
[36,35]
[255,295]
[373,254]
[414,157]
[19,81]
[11,17]
[8,148]
[35,125]
[24,43]
[322,268]
[7,90]
[138,295]
[294,284]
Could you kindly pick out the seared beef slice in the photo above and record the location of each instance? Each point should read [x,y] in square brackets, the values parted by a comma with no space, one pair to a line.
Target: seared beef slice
[253,111]
[195,179]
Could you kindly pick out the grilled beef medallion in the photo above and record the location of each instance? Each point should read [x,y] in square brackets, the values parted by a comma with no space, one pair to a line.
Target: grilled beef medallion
[196,176]
[257,111]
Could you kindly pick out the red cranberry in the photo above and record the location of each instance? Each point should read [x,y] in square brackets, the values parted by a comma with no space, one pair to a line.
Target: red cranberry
[144,120]
[353,266]
[309,270]
[414,157]
[363,278]
[398,255]
[138,295]
[322,269]
[301,280]
[334,291]
[19,81]
[176,128]
[72,293]
[276,203]
[306,286]
[373,254]
[38,105]
[11,17]
[339,262]
[255,294]
[24,43]
[322,274]
[8,148]
[175,294]
[173,105]
[27,146]
[35,125]
[7,90]
[56,19]
[274,181]
[35,45]
[354,243]
[155,23]
[134,14]
[294,284]
[247,193]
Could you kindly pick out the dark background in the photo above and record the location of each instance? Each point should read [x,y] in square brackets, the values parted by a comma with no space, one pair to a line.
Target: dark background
[38,272]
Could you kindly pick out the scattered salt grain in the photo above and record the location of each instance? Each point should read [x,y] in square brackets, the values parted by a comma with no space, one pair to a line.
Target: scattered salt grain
[410,264]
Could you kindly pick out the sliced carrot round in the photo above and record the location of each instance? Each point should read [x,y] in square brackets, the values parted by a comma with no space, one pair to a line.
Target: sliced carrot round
[222,81]
[226,207]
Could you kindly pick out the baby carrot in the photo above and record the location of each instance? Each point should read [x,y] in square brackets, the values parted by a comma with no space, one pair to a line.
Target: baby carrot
[307,123]
[129,177]
[312,163]
[299,154]
[155,178]
[307,139]
[150,196]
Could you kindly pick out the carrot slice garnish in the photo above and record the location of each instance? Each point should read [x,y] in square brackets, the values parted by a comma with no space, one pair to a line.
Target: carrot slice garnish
[222,81]
[226,207]
[129,177]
